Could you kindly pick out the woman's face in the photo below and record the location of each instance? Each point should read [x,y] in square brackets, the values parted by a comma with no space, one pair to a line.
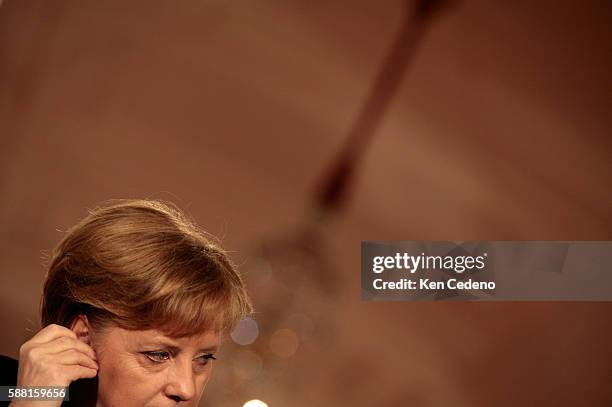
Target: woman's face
[149,369]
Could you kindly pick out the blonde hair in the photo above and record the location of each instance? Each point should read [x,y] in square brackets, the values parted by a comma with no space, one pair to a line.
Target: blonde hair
[142,264]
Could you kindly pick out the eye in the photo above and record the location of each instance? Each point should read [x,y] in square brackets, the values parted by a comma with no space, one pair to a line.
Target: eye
[158,356]
[205,358]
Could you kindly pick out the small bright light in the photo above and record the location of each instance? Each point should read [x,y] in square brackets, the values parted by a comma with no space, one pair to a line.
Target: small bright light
[246,332]
[254,403]
[284,343]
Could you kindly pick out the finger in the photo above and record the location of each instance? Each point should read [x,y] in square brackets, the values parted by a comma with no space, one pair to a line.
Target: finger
[51,332]
[74,357]
[76,372]
[64,343]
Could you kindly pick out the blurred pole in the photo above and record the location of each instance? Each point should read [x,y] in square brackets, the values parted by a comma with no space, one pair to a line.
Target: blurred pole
[291,276]
[333,190]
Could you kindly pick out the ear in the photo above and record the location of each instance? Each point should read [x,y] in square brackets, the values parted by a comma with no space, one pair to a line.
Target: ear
[80,326]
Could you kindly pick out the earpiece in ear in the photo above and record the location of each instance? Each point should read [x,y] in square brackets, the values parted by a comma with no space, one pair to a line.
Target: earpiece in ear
[84,337]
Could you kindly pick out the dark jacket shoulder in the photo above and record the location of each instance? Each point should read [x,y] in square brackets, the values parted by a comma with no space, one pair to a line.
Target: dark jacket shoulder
[8,371]
[8,374]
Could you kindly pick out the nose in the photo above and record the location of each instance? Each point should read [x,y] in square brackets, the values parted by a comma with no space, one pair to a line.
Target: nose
[181,384]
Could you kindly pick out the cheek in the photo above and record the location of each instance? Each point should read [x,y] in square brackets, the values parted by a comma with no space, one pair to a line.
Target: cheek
[200,382]
[204,378]
[122,381]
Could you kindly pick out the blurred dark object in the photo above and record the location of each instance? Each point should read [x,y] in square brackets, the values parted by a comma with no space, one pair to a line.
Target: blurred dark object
[332,193]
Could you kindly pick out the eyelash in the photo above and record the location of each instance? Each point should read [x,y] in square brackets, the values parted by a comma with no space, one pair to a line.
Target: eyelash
[162,356]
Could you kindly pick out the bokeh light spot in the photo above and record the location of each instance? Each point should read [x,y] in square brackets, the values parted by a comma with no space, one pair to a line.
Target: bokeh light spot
[246,332]
[284,343]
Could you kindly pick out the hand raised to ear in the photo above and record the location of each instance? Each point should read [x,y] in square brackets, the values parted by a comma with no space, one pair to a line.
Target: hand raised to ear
[55,356]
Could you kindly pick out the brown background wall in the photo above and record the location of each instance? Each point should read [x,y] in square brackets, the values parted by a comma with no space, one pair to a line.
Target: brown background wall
[233,109]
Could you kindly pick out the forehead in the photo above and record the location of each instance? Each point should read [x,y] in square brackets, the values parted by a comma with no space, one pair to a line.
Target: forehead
[209,340]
